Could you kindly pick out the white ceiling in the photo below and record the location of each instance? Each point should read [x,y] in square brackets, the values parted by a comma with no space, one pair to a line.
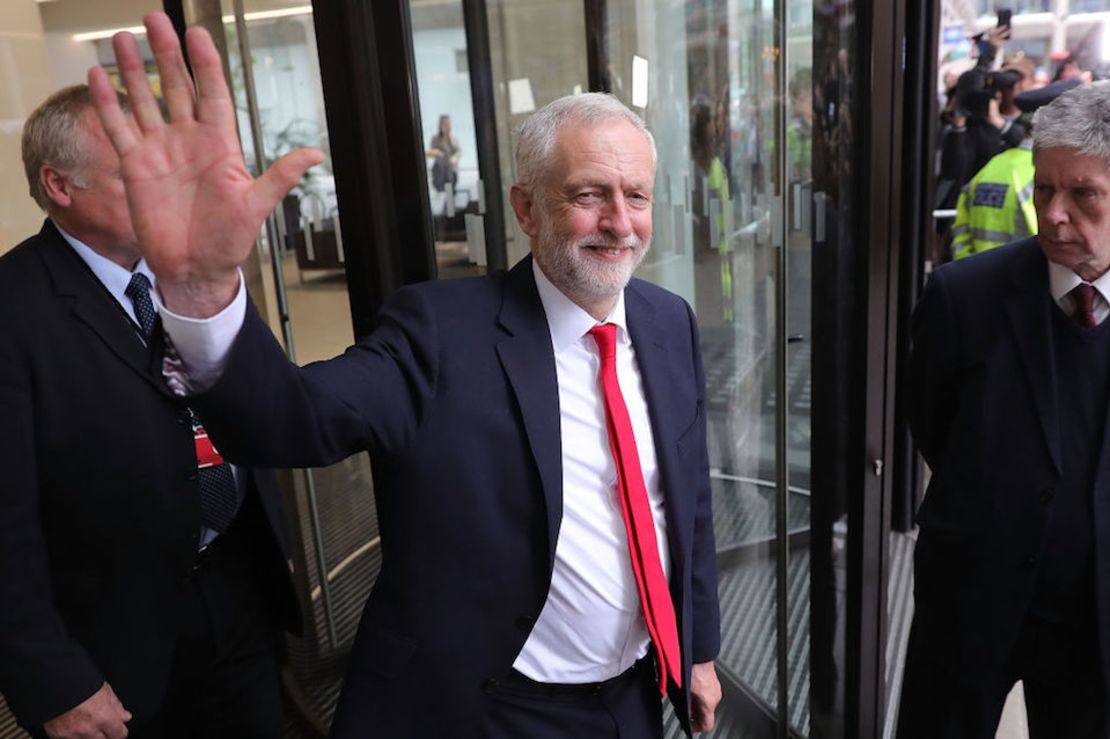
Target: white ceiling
[77,16]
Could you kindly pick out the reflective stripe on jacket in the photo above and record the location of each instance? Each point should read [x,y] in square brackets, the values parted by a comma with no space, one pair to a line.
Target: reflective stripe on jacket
[996,206]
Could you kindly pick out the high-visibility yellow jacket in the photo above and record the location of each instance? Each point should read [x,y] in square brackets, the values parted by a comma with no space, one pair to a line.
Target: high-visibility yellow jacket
[996,206]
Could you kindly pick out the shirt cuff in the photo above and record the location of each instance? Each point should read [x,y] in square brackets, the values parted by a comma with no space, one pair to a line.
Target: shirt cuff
[203,344]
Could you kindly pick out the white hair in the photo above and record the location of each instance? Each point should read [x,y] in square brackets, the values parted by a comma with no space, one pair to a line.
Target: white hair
[536,136]
[1079,119]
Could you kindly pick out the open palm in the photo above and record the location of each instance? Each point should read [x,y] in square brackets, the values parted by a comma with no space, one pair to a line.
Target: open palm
[195,208]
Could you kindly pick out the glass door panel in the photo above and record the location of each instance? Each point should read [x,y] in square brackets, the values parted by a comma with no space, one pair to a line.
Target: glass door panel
[302,286]
[750,104]
[451,150]
[798,196]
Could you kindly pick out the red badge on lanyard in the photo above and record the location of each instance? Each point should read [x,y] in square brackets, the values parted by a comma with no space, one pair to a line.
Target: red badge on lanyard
[207,456]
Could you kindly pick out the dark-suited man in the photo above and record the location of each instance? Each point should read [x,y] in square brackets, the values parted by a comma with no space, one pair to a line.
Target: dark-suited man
[538,436]
[1010,381]
[139,592]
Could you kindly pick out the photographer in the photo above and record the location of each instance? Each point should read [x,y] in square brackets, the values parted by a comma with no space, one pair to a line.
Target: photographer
[985,131]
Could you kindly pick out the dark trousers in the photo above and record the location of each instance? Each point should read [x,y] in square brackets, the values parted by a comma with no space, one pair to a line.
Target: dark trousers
[626,707]
[1057,664]
[223,681]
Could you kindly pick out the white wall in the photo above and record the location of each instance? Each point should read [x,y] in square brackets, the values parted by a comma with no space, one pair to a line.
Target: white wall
[24,82]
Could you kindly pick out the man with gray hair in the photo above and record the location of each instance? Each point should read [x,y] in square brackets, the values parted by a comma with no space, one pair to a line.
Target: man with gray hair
[130,605]
[1009,391]
[538,436]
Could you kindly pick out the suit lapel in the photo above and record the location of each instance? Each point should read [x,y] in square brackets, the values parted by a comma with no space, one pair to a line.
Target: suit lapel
[649,340]
[93,306]
[529,362]
[1028,307]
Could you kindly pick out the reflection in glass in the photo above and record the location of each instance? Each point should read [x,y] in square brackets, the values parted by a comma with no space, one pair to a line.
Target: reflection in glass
[451,151]
[337,554]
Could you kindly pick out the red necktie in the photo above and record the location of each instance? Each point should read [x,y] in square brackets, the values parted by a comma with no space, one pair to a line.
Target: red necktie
[1084,295]
[636,511]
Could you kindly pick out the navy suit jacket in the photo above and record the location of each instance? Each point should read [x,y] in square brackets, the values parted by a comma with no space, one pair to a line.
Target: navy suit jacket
[984,414]
[455,397]
[99,506]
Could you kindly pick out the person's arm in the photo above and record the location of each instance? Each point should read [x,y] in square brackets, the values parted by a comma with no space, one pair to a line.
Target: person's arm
[195,208]
[45,673]
[995,38]
[932,386]
[265,411]
[705,689]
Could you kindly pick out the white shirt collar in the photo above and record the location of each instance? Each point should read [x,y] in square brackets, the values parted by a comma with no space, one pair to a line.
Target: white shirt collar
[1062,281]
[114,277]
[567,320]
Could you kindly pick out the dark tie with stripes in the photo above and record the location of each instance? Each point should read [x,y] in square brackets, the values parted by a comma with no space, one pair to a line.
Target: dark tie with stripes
[219,494]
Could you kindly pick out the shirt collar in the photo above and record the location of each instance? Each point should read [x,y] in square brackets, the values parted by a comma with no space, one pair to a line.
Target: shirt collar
[567,320]
[114,277]
[1062,281]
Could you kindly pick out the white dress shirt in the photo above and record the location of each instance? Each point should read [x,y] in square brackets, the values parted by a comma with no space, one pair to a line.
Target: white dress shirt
[592,626]
[1061,281]
[114,277]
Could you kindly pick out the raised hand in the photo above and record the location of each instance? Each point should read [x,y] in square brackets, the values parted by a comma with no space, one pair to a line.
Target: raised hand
[195,208]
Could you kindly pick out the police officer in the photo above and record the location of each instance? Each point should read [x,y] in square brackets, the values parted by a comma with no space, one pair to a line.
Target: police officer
[996,206]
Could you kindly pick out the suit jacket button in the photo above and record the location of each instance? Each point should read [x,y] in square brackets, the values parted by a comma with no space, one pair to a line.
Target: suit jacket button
[1047,494]
[1031,560]
[191,475]
[525,623]
[489,685]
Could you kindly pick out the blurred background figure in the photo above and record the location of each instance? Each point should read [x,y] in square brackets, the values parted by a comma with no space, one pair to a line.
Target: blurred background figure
[996,207]
[446,150]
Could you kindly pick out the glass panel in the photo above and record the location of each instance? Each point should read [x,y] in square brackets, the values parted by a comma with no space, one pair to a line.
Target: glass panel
[537,54]
[337,555]
[835,344]
[799,360]
[447,119]
[712,105]
[735,188]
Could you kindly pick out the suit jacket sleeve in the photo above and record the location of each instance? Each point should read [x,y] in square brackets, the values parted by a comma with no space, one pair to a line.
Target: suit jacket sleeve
[933,386]
[707,613]
[265,411]
[43,670]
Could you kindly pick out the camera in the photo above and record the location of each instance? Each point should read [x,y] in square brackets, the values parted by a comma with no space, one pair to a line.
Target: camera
[977,86]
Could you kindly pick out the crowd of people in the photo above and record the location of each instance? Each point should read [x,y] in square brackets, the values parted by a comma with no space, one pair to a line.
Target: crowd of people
[985,159]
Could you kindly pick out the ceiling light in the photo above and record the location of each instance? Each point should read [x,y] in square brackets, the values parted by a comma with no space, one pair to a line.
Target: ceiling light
[228,20]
